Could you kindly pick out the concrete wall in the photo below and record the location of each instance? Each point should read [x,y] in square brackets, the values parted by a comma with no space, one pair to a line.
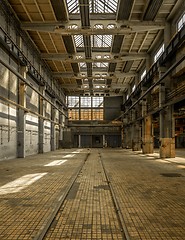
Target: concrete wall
[9,96]
[112,107]
[31,139]
[8,129]
[96,136]
[8,112]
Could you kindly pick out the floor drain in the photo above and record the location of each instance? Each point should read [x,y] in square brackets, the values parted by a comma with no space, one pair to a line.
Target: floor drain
[171,175]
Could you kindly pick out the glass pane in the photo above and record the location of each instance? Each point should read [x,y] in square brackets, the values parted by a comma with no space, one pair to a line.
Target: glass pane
[73,101]
[97,101]
[85,101]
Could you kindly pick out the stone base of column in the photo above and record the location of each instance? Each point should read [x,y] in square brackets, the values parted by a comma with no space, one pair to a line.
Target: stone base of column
[167,148]
[147,147]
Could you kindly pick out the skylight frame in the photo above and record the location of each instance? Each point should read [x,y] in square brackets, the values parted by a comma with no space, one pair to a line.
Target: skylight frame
[102,41]
[103,6]
[78,40]
[95,6]
[73,6]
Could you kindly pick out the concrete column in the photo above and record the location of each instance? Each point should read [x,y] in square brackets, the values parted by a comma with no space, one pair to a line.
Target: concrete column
[166,119]
[41,121]
[21,116]
[123,132]
[136,140]
[53,112]
[147,135]
[104,143]
[61,128]
[161,94]
[79,141]
[128,137]
[167,133]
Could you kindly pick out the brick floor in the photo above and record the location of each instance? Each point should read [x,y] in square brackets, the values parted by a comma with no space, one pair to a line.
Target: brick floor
[152,204]
[150,193]
[88,212]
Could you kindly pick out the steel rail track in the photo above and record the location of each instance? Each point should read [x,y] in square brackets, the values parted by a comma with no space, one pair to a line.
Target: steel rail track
[43,231]
[123,229]
[119,214]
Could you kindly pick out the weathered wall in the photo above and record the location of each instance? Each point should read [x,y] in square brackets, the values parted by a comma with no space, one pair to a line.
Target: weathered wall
[10,96]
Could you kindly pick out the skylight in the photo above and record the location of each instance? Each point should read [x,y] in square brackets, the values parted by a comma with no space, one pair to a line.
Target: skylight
[73,6]
[101,40]
[83,65]
[78,39]
[103,6]
[100,65]
[95,6]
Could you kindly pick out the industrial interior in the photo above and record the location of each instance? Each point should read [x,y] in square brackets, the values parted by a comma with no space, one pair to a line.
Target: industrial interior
[104,80]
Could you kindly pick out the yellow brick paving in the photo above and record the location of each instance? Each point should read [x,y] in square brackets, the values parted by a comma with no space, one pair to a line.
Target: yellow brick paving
[153,206]
[88,212]
[22,214]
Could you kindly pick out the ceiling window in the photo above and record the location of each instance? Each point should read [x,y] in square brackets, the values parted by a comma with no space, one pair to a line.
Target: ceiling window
[101,41]
[105,6]
[73,6]
[78,39]
[95,6]
[82,65]
[98,26]
[100,65]
[181,22]
[159,53]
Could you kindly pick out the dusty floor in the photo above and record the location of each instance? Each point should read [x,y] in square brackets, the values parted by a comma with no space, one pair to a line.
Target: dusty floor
[149,194]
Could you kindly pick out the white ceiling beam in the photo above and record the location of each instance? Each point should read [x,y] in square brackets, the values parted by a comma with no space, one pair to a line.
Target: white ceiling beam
[74,59]
[113,75]
[105,23]
[121,28]
[105,87]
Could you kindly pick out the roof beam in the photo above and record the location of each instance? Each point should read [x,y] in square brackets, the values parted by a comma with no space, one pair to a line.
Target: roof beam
[125,9]
[126,27]
[113,75]
[152,9]
[60,9]
[94,16]
[72,59]
[105,87]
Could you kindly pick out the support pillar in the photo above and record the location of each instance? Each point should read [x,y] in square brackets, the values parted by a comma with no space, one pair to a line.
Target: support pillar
[147,136]
[79,141]
[41,121]
[53,112]
[167,133]
[136,140]
[128,136]
[61,128]
[21,116]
